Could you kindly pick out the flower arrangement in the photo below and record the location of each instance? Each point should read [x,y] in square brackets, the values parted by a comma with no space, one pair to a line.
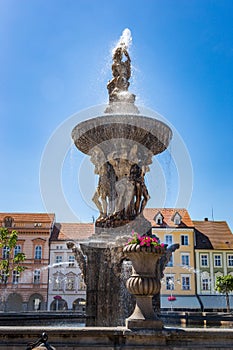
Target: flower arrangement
[145,240]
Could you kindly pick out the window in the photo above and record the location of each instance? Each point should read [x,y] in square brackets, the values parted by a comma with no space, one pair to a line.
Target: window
[230,260]
[186,282]
[3,277]
[15,277]
[204,260]
[177,219]
[36,277]
[71,261]
[159,219]
[170,262]
[184,240]
[168,239]
[58,259]
[217,260]
[38,252]
[70,283]
[5,252]
[170,282]
[17,250]
[185,259]
[205,284]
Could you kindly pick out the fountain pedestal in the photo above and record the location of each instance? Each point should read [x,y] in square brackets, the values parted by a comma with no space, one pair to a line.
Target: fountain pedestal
[143,284]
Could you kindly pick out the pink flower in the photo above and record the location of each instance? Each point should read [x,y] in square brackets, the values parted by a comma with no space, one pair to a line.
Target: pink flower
[145,241]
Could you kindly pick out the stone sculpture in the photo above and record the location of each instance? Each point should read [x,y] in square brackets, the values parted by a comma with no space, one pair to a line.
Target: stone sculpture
[121,71]
[40,344]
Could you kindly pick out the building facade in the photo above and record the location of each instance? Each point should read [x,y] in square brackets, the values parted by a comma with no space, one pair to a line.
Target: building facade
[214,257]
[28,292]
[174,226]
[53,280]
[66,286]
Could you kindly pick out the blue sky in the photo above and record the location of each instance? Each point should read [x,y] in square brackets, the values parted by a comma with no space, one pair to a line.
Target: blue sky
[55,62]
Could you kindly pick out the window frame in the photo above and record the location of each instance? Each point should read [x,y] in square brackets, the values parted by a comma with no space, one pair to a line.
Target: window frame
[215,260]
[184,285]
[38,252]
[168,241]
[205,282]
[5,252]
[183,239]
[36,276]
[202,258]
[185,256]
[15,277]
[229,256]
[58,260]
[17,249]
[71,261]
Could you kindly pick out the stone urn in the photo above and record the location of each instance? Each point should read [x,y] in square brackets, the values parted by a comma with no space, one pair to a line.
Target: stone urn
[143,284]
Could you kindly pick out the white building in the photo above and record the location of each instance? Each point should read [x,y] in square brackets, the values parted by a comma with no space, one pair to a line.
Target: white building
[66,287]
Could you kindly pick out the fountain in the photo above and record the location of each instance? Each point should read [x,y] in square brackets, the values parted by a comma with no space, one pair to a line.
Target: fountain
[121,144]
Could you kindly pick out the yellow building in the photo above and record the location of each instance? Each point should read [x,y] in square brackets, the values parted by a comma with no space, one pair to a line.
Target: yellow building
[174,226]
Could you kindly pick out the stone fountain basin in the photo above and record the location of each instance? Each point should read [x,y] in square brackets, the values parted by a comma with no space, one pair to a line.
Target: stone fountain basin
[149,132]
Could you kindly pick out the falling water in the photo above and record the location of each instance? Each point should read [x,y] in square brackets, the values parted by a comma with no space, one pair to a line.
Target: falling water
[128,303]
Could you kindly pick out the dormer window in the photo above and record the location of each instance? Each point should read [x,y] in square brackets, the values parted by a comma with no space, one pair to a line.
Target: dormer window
[177,218]
[159,219]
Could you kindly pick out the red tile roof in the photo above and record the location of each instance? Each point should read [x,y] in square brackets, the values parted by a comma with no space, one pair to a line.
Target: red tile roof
[28,217]
[168,214]
[213,235]
[72,231]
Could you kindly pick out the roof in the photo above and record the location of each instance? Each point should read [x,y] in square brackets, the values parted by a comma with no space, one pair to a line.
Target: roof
[72,231]
[168,215]
[213,235]
[29,217]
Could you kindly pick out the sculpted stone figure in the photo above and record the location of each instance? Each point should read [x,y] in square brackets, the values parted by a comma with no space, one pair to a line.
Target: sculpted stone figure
[121,71]
[121,194]
[40,344]
[140,190]
[104,195]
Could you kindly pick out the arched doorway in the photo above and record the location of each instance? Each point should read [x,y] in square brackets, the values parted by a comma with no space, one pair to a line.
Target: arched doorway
[14,302]
[36,302]
[58,304]
[79,305]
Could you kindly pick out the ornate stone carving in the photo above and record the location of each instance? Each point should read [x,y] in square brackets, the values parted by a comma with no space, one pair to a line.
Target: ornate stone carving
[121,194]
[120,99]
[143,284]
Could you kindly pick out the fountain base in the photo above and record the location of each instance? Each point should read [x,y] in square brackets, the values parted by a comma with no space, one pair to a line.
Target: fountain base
[143,324]
[108,338]
[143,316]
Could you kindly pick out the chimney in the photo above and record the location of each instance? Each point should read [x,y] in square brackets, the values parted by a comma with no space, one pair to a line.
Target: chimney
[206,219]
